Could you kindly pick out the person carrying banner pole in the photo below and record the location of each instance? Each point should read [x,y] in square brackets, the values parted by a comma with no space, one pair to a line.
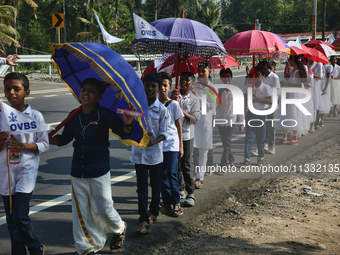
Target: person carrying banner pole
[23,136]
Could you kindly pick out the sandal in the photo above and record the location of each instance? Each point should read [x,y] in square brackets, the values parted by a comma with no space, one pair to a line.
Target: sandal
[311,131]
[293,142]
[245,164]
[283,141]
[165,210]
[117,241]
[178,211]
[260,162]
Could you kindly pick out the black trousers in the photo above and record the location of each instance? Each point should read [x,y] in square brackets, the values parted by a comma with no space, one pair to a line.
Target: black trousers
[226,134]
[20,226]
[185,172]
[142,173]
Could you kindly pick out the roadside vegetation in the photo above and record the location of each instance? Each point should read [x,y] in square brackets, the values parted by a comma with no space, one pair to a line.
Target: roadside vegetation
[26,25]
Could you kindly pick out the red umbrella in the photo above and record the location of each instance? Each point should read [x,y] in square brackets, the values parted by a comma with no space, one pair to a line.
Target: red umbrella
[255,42]
[336,44]
[189,64]
[318,56]
[315,43]
[297,51]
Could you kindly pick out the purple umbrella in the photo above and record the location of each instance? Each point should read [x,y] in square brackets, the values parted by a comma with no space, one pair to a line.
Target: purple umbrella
[186,38]
[196,39]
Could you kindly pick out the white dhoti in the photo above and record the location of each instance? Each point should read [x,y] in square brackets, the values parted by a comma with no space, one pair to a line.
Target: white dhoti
[94,217]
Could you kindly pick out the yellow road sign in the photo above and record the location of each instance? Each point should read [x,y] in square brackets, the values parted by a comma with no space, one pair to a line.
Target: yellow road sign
[57,19]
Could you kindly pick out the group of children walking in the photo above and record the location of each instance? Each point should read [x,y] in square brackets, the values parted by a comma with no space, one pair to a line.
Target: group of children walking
[175,126]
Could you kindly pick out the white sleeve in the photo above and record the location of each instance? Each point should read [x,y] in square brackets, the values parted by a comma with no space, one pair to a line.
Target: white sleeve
[2,61]
[178,114]
[42,137]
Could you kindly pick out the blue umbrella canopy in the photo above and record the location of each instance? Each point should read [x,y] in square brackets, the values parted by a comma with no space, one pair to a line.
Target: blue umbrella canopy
[76,62]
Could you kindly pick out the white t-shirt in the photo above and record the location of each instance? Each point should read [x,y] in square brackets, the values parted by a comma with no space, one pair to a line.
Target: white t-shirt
[263,91]
[273,81]
[175,113]
[191,105]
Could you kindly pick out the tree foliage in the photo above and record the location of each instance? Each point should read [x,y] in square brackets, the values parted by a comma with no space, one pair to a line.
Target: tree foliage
[225,17]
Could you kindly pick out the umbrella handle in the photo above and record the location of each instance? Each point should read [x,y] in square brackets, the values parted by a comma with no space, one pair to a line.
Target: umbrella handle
[65,121]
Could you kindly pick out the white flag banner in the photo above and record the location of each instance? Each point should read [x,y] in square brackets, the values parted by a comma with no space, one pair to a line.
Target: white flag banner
[144,30]
[298,40]
[106,36]
[331,39]
[17,122]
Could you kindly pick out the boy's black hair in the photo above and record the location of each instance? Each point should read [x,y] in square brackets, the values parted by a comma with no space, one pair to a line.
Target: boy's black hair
[205,64]
[260,69]
[154,77]
[333,57]
[18,76]
[166,76]
[190,75]
[93,81]
[227,71]
[273,63]
[264,62]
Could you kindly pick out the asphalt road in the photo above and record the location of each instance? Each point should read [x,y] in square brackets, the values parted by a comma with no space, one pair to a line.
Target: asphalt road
[51,205]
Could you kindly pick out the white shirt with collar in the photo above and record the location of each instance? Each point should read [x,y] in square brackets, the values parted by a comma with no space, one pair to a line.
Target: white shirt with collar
[24,174]
[263,91]
[172,141]
[191,105]
[157,124]
[225,111]
[273,81]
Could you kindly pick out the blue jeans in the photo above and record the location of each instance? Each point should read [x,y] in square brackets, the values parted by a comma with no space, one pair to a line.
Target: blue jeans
[20,227]
[259,131]
[170,189]
[142,173]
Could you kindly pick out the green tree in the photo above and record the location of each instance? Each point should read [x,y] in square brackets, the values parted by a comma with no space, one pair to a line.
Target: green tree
[7,32]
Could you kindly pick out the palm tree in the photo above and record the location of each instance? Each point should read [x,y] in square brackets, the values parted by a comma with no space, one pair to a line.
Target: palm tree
[7,14]
[212,14]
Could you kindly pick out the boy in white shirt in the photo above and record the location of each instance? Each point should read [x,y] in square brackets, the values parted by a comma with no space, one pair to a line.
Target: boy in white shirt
[203,129]
[270,78]
[24,174]
[262,99]
[172,150]
[148,161]
[226,113]
[190,106]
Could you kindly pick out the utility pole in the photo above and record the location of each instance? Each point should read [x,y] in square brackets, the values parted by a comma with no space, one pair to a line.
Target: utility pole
[315,7]
[64,21]
[324,19]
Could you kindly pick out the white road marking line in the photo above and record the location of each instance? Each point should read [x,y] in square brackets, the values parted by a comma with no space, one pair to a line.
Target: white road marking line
[43,91]
[67,197]
[50,96]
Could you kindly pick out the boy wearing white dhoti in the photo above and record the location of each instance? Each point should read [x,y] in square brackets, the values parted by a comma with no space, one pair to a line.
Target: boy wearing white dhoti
[94,217]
